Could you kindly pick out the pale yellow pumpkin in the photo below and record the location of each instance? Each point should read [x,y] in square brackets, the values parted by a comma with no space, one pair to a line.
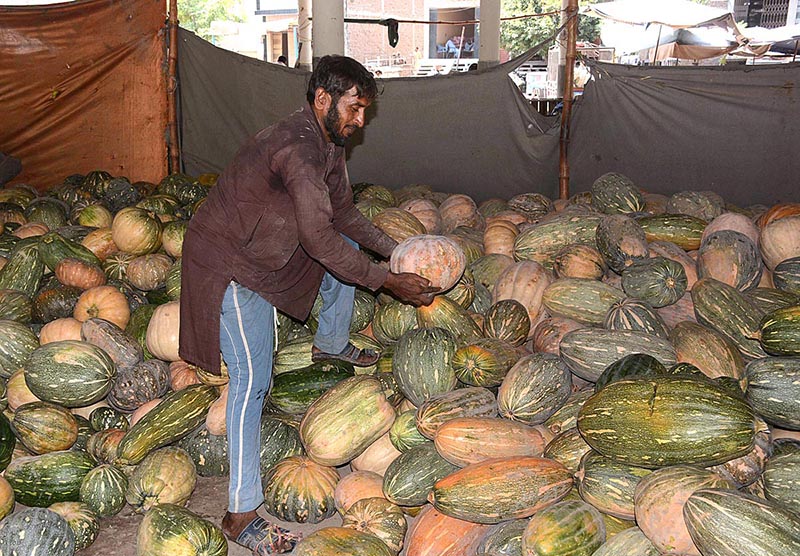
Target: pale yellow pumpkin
[215,418]
[17,390]
[31,229]
[426,212]
[356,486]
[163,331]
[525,282]
[376,457]
[499,237]
[136,231]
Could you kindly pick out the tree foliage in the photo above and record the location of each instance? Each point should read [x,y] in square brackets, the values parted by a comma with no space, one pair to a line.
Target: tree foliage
[197,15]
[517,36]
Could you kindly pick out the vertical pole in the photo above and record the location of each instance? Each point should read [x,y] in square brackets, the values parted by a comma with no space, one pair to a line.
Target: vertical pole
[566,112]
[489,34]
[658,43]
[796,45]
[304,34]
[172,86]
[327,32]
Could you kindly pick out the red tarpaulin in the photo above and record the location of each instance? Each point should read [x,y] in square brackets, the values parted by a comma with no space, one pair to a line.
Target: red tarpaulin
[83,87]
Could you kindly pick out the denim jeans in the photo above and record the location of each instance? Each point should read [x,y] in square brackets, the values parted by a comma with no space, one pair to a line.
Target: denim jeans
[247,342]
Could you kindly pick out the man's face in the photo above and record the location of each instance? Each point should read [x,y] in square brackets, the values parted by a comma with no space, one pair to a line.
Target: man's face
[344,117]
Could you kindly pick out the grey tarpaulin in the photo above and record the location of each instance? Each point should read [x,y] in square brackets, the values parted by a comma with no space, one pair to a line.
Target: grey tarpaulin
[469,133]
[731,129]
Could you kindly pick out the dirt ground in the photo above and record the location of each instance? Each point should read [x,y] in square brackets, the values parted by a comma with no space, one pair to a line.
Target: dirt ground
[118,534]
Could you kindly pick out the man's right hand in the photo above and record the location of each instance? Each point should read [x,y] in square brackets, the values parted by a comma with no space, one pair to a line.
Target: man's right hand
[410,288]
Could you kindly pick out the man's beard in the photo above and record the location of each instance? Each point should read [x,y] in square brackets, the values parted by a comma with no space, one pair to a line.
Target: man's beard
[332,121]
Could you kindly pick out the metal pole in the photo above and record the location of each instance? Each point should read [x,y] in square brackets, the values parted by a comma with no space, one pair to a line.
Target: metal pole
[172,85]
[796,44]
[566,112]
[658,43]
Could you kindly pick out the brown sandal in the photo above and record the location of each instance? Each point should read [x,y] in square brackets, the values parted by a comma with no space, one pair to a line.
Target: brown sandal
[350,354]
[265,538]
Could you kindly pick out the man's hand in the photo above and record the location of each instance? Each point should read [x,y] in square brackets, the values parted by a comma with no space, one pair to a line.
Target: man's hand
[410,288]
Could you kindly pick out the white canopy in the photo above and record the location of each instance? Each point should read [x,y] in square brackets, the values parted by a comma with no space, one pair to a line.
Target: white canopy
[678,14]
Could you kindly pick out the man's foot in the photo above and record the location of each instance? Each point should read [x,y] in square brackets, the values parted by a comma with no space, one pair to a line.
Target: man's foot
[350,354]
[254,532]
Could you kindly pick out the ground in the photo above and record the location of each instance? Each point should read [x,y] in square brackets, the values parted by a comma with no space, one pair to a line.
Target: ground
[118,534]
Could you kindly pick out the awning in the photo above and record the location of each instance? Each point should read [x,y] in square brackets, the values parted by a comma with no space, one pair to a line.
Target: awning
[678,14]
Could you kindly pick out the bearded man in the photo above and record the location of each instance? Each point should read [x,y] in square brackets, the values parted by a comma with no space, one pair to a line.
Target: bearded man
[279,228]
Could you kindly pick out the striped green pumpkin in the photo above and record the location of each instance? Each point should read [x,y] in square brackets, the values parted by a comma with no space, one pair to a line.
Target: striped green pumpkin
[404,434]
[773,389]
[411,476]
[165,476]
[535,387]
[17,342]
[473,401]
[782,478]
[567,527]
[392,320]
[49,478]
[103,490]
[779,331]
[683,230]
[731,523]
[423,363]
[637,315]
[667,420]
[580,299]
[24,269]
[171,529]
[542,242]
[81,519]
[69,373]
[658,281]
[614,193]
[786,275]
[484,362]
[621,241]
[44,427]
[333,541]
[446,313]
[608,485]
[630,542]
[174,417]
[588,351]
[725,309]
[507,320]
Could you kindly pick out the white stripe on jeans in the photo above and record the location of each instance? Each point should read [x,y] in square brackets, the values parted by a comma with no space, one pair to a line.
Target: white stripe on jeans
[246,395]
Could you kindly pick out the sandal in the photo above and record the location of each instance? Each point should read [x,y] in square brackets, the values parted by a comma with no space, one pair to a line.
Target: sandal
[265,538]
[350,354]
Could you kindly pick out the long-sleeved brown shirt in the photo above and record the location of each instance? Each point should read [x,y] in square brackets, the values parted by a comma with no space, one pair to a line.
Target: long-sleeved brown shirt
[273,224]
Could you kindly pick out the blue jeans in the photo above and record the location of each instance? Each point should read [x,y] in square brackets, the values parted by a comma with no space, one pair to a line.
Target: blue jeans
[247,344]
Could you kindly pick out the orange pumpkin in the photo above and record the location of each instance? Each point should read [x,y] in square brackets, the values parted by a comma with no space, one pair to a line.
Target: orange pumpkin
[499,237]
[356,486]
[466,440]
[105,302]
[781,210]
[163,331]
[215,418]
[436,534]
[101,243]
[60,329]
[547,335]
[79,273]
[426,212]
[17,391]
[510,215]
[182,374]
[437,258]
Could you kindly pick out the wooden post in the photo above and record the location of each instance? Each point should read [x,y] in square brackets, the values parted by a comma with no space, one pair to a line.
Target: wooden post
[172,86]
[566,111]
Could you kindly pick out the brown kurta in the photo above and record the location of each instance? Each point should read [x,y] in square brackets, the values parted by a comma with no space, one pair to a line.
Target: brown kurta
[273,224]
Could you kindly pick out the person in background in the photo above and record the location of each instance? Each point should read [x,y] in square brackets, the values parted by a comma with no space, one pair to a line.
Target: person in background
[279,228]
[282,60]
[450,47]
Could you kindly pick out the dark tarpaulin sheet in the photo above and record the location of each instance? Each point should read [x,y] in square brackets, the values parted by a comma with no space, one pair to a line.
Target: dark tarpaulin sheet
[731,129]
[82,87]
[470,133]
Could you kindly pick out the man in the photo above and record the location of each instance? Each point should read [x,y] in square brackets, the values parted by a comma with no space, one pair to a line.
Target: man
[271,235]
[283,60]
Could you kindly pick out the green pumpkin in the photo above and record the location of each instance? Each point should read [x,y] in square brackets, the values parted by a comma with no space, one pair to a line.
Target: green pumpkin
[171,529]
[103,490]
[300,490]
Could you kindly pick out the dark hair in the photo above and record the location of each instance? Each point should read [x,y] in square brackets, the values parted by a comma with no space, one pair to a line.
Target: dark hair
[282,60]
[337,75]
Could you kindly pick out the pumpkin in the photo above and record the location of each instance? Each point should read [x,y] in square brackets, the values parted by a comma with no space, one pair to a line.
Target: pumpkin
[507,320]
[776,212]
[466,440]
[436,534]
[499,237]
[138,384]
[215,419]
[182,374]
[165,476]
[379,517]
[459,210]
[171,529]
[163,331]
[36,531]
[436,258]
[376,457]
[105,302]
[426,212]
[300,490]
[780,240]
[149,272]
[81,519]
[735,222]
[579,261]
[341,540]
[547,335]
[398,224]
[355,486]
[31,229]
[60,329]
[136,231]
[525,282]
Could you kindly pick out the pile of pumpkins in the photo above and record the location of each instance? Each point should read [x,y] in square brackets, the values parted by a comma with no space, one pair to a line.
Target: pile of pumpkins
[617,373]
